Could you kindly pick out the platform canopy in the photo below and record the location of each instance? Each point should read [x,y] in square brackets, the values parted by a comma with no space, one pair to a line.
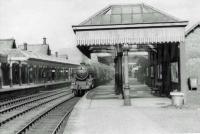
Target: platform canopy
[132,24]
[33,58]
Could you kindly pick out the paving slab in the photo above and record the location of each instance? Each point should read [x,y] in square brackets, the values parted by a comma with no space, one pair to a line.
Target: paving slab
[102,112]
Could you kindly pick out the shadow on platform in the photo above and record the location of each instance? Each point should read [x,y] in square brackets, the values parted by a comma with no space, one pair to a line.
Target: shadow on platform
[137,90]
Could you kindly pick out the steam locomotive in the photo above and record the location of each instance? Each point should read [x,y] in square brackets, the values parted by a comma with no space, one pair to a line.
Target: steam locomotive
[88,76]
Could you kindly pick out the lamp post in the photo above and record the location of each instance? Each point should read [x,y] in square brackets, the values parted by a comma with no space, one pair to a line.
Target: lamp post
[127,101]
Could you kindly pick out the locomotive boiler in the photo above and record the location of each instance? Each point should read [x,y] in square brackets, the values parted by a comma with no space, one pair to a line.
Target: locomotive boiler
[87,76]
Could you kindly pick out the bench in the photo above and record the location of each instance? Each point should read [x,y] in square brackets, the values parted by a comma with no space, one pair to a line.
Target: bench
[157,88]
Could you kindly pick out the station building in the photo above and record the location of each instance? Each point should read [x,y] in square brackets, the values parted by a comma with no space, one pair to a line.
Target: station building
[192,42]
[31,63]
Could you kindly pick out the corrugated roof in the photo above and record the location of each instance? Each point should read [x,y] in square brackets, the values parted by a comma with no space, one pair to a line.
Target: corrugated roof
[128,14]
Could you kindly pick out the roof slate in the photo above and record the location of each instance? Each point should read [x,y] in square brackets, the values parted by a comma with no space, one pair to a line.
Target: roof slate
[37,52]
[34,55]
[12,53]
[6,44]
[18,54]
[37,48]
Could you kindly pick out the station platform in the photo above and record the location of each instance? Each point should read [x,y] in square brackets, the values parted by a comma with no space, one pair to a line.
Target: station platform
[102,112]
[31,85]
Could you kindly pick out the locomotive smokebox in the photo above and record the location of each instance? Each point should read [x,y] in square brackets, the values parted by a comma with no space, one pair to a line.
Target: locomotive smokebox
[82,73]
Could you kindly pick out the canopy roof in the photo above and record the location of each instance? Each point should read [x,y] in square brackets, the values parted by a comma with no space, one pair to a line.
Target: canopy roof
[128,14]
[20,55]
[191,29]
[128,24]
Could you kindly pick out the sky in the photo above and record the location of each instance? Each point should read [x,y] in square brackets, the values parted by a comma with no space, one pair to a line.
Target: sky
[31,20]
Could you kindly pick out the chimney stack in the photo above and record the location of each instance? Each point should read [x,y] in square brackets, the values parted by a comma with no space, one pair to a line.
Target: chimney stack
[25,46]
[48,51]
[56,53]
[44,41]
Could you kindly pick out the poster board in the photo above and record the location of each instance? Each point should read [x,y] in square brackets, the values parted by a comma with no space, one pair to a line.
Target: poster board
[147,71]
[161,72]
[152,72]
[159,67]
[174,72]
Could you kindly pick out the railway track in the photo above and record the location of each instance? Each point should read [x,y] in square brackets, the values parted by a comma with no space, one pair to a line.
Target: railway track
[16,118]
[8,106]
[11,101]
[51,121]
[10,113]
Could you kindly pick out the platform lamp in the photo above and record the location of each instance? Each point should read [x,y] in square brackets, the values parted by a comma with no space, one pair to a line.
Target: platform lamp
[127,101]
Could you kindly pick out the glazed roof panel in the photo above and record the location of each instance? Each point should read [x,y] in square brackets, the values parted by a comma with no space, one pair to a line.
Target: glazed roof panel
[128,14]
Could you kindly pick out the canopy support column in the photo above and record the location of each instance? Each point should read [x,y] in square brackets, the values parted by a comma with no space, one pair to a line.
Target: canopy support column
[51,74]
[28,74]
[35,73]
[44,74]
[10,75]
[120,82]
[55,78]
[116,74]
[38,74]
[127,101]
[69,73]
[183,81]
[1,76]
[63,73]
[20,73]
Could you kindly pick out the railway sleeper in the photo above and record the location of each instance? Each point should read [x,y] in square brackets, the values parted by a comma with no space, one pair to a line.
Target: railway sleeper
[25,103]
[23,130]
[27,110]
[27,98]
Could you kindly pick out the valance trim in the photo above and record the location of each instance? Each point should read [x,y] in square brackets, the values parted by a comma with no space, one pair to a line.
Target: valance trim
[130,36]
